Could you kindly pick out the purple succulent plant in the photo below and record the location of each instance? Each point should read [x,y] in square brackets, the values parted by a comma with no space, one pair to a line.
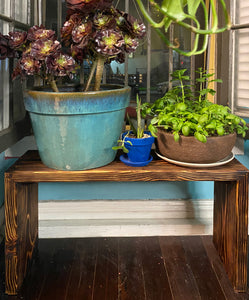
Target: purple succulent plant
[41,49]
[60,65]
[109,42]
[29,65]
[17,39]
[93,30]
[40,33]
[88,6]
[5,50]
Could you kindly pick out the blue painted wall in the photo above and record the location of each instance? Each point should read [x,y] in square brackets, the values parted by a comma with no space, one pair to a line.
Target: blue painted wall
[126,190]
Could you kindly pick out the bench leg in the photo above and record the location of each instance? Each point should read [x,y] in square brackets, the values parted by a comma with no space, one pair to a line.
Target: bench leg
[21,231]
[230,231]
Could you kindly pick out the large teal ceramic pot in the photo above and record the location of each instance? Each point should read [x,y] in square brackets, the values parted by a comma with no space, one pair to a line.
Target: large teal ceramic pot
[77,130]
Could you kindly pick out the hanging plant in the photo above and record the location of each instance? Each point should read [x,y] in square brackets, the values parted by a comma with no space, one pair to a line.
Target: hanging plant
[184,13]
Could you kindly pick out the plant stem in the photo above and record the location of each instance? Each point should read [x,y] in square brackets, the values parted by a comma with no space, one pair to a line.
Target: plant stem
[54,86]
[182,87]
[99,72]
[89,80]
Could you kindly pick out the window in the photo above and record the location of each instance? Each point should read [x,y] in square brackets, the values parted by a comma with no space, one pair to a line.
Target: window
[240,45]
[14,15]
[233,60]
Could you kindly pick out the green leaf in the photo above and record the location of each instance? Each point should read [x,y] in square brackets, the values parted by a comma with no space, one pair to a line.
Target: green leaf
[174,8]
[203,119]
[116,147]
[193,6]
[154,121]
[220,130]
[153,130]
[186,130]
[132,125]
[125,150]
[176,136]
[200,137]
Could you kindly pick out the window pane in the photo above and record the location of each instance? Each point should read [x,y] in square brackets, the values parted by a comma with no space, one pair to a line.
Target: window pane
[18,105]
[21,12]
[241,45]
[4,85]
[5,8]
[51,15]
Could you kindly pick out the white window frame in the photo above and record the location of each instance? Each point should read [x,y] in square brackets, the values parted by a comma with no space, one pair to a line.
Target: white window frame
[233,71]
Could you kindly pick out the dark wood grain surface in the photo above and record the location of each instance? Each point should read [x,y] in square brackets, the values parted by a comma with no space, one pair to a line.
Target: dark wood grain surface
[145,268]
[31,169]
[230,223]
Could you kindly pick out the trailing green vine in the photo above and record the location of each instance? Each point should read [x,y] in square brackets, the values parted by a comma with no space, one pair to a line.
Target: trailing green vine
[183,11]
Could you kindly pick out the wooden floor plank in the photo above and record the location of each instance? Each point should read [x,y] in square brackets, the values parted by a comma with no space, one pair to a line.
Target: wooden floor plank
[81,281]
[106,274]
[61,260]
[196,257]
[36,279]
[181,278]
[220,271]
[154,273]
[130,279]
[142,268]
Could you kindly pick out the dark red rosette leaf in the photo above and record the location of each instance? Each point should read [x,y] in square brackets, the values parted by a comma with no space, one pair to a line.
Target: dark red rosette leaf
[40,32]
[82,33]
[17,71]
[130,25]
[29,65]
[43,48]
[139,29]
[17,39]
[104,20]
[78,54]
[5,50]
[68,26]
[109,42]
[130,44]
[60,65]
[87,6]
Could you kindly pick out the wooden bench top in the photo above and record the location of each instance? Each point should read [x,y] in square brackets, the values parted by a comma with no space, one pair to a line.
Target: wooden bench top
[29,168]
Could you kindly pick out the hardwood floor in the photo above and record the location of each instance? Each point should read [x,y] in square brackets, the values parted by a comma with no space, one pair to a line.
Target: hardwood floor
[151,268]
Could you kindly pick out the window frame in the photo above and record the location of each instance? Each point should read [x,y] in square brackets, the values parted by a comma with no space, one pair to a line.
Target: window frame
[226,52]
[17,130]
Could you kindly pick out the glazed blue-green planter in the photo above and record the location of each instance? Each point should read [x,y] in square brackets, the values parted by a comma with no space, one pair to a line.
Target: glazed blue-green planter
[77,130]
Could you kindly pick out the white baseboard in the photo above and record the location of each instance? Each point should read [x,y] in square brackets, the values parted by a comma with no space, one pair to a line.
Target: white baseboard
[124,218]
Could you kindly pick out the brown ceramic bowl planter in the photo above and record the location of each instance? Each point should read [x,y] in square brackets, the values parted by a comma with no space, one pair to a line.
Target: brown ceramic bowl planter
[189,149]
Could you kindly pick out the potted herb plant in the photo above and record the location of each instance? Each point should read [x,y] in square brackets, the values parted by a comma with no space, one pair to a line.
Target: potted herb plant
[75,127]
[136,144]
[188,127]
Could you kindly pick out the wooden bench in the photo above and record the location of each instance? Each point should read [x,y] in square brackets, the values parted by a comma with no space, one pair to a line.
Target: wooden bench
[230,230]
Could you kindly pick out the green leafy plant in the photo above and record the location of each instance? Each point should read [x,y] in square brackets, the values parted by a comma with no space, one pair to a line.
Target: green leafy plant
[185,110]
[184,13]
[135,132]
